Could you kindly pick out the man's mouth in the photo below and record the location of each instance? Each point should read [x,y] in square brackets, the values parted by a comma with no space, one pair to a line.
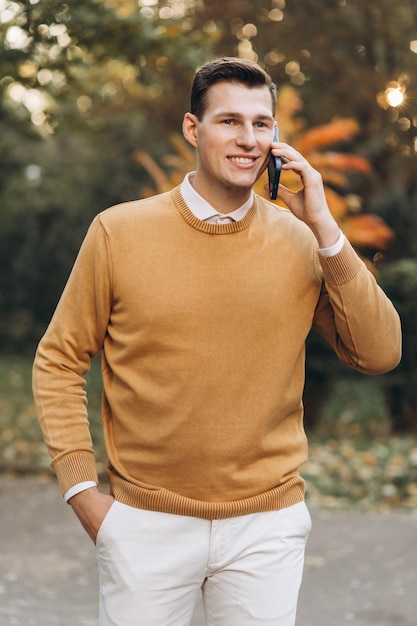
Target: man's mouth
[242,160]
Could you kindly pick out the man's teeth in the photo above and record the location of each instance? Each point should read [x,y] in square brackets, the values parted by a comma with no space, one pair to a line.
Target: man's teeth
[243,160]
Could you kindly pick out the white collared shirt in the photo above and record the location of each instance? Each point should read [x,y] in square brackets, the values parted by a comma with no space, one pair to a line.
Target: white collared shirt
[203,210]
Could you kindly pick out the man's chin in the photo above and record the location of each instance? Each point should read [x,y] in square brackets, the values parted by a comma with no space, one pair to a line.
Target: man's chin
[244,182]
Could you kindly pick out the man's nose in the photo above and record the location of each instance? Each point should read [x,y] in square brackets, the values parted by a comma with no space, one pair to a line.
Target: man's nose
[246,136]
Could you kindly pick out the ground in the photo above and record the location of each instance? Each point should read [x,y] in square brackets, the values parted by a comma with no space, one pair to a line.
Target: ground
[360,567]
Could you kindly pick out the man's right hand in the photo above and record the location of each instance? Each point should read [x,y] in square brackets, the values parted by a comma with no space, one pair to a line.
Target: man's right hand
[91,507]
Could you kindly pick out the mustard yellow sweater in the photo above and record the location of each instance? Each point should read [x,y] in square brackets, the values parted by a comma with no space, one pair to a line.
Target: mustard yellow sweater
[202,330]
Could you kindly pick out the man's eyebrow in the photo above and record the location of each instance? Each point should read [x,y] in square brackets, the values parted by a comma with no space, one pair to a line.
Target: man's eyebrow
[237,115]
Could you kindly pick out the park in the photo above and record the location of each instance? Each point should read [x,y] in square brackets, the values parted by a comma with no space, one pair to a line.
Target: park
[92,98]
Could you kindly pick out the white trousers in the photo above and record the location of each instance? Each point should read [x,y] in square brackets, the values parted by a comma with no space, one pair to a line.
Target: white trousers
[153,566]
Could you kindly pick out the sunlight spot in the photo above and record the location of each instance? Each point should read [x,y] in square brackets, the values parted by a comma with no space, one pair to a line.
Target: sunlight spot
[244,48]
[33,173]
[298,79]
[178,9]
[276,15]
[210,27]
[16,92]
[292,68]
[38,118]
[84,103]
[249,30]
[34,101]
[27,69]
[404,124]
[57,29]
[273,57]
[16,38]
[147,12]
[44,76]
[166,13]
[394,96]
[8,11]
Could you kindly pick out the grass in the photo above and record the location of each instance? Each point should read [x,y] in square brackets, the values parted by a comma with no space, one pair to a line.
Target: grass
[353,460]
[21,443]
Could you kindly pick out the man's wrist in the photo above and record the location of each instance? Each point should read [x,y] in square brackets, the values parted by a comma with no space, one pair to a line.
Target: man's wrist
[335,249]
[327,233]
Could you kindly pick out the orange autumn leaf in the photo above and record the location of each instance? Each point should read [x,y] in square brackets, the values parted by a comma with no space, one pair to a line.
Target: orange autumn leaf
[332,177]
[337,130]
[183,149]
[340,161]
[337,204]
[369,231]
[160,178]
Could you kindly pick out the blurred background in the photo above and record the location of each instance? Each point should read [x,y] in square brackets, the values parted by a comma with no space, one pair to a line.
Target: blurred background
[92,96]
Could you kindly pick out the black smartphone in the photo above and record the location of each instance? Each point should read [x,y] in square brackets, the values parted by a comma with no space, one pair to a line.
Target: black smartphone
[274,170]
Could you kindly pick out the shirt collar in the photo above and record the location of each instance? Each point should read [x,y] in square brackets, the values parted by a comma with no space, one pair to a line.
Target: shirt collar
[202,209]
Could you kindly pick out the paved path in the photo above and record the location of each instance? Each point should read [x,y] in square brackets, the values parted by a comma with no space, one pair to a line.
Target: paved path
[361,569]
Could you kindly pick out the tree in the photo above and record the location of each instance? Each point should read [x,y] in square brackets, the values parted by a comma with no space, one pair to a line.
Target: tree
[400,387]
[80,90]
[87,87]
[348,58]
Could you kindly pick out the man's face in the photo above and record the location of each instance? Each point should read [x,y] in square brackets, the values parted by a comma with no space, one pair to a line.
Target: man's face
[233,138]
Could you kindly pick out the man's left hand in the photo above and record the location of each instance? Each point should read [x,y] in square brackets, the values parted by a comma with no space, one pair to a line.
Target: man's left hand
[309,204]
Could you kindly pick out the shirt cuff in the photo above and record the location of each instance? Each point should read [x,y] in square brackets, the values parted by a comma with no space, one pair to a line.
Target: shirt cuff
[335,248]
[78,488]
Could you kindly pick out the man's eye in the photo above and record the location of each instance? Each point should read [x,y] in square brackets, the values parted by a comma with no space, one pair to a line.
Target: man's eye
[228,122]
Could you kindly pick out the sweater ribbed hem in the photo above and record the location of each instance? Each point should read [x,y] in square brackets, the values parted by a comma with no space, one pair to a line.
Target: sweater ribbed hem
[164,501]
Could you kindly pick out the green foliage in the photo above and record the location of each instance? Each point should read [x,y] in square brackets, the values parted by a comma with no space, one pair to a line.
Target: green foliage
[98,75]
[44,220]
[21,444]
[85,85]
[374,474]
[355,408]
[353,458]
[342,56]
[21,439]
[399,279]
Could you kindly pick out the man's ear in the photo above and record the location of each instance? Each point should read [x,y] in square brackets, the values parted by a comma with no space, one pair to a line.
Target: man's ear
[189,128]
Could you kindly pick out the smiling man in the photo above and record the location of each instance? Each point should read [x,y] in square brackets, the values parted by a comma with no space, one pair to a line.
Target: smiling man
[200,301]
[233,142]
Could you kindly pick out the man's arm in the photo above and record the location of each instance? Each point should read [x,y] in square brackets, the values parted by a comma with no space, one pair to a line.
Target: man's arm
[75,334]
[353,314]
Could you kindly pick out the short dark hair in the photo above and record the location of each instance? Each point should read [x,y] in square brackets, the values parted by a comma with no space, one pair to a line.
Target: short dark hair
[231,69]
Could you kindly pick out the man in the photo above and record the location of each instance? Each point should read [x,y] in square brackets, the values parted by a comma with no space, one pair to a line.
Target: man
[200,301]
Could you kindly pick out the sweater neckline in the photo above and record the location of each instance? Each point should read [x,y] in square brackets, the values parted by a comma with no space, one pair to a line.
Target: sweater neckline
[207,227]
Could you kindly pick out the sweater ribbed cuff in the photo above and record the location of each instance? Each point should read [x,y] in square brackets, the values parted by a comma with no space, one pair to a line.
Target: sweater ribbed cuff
[75,468]
[342,267]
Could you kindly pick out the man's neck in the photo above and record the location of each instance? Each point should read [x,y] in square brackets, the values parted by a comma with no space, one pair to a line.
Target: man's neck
[223,200]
